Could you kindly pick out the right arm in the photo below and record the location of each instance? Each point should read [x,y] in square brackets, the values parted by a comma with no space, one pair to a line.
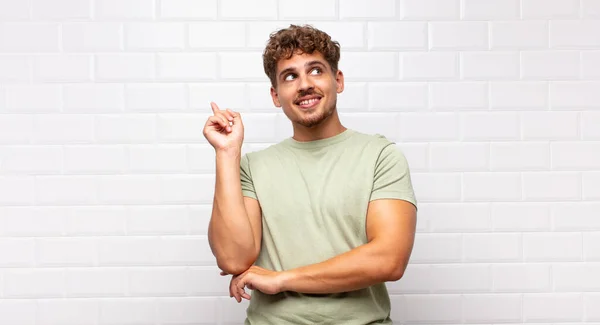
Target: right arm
[234,231]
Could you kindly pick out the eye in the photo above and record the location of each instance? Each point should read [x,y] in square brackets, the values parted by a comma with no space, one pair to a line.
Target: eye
[316,69]
[289,76]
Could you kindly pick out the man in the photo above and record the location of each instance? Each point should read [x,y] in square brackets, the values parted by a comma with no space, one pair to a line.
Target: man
[316,224]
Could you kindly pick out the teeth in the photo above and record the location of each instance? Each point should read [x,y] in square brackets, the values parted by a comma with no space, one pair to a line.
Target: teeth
[308,102]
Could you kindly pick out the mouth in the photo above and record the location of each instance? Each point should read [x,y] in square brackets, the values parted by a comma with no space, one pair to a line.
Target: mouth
[308,101]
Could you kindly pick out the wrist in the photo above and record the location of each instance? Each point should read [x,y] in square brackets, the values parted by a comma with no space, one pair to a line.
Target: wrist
[286,278]
[229,152]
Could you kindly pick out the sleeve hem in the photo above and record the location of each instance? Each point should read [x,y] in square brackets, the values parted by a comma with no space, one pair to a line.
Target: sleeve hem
[394,195]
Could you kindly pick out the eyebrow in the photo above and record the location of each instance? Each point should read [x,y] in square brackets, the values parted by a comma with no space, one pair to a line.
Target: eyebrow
[309,63]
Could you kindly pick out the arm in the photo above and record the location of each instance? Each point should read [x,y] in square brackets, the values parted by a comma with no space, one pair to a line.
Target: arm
[390,231]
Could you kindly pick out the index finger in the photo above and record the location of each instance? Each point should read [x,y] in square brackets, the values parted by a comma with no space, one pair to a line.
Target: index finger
[214,107]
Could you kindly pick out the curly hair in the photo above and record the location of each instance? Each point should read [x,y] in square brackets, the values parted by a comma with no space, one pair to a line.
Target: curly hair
[296,39]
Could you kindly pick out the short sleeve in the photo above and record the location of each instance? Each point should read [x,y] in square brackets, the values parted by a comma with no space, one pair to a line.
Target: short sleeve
[246,178]
[392,176]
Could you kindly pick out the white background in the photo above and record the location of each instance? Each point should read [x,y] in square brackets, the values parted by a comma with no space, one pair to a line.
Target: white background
[106,180]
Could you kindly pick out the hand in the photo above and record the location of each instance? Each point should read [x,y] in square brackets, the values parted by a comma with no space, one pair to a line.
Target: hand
[224,130]
[255,278]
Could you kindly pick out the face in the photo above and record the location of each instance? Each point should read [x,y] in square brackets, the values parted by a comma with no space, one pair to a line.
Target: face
[307,88]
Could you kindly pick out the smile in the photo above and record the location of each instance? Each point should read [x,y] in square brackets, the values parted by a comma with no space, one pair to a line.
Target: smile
[309,103]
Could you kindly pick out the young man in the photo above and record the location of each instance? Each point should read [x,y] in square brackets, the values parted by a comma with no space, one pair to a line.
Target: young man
[316,224]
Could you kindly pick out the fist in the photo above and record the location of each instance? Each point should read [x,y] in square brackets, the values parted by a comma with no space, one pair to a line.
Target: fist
[224,130]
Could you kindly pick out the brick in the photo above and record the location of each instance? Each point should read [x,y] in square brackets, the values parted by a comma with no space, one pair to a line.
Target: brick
[456,218]
[574,94]
[580,216]
[128,189]
[199,217]
[158,281]
[327,9]
[553,307]
[248,9]
[197,158]
[130,310]
[17,252]
[405,96]
[591,185]
[259,97]
[31,159]
[491,308]
[574,34]
[190,310]
[489,65]
[350,35]
[63,129]
[552,247]
[514,156]
[534,277]
[231,311]
[62,68]
[14,11]
[257,32]
[125,67]
[34,283]
[416,154]
[154,36]
[575,155]
[92,37]
[589,121]
[124,9]
[519,35]
[179,189]
[545,186]
[186,66]
[188,9]
[491,9]
[429,66]
[224,34]
[535,125]
[576,277]
[157,220]
[201,94]
[96,220]
[416,279]
[590,64]
[17,129]
[490,126]
[429,126]
[63,252]
[127,251]
[206,281]
[155,97]
[397,35]
[246,66]
[418,308]
[93,98]
[17,190]
[17,312]
[96,282]
[68,311]
[180,128]
[590,8]
[126,128]
[521,216]
[157,158]
[491,186]
[458,35]
[33,98]
[364,9]
[511,95]
[591,240]
[14,68]
[591,301]
[74,190]
[458,96]
[550,65]
[453,156]
[29,37]
[60,10]
[95,159]
[33,221]
[550,9]
[460,278]
[369,66]
[448,248]
[492,248]
[430,9]
[185,251]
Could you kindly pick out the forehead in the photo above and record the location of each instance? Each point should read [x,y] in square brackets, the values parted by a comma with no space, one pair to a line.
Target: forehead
[298,60]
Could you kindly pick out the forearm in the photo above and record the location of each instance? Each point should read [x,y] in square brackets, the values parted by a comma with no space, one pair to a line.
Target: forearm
[359,268]
[230,232]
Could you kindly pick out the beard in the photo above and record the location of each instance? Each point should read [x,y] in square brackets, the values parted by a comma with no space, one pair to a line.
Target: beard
[315,118]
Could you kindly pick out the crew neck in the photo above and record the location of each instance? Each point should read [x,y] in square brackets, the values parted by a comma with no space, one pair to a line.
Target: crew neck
[321,142]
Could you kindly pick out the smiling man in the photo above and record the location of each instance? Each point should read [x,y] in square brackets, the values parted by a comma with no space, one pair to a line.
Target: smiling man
[316,224]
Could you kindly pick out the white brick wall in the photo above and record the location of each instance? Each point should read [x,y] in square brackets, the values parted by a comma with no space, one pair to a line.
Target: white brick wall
[106,182]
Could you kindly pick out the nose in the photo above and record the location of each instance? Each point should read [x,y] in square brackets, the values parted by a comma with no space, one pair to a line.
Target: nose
[305,84]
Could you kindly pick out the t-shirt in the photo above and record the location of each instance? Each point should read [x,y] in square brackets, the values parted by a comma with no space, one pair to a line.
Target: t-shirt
[314,198]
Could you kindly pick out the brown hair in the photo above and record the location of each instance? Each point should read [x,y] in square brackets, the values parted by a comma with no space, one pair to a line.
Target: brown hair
[298,39]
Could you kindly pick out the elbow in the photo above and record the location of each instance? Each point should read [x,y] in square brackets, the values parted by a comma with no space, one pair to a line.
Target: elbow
[233,268]
[396,274]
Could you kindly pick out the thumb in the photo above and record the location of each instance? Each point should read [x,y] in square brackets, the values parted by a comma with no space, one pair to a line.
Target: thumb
[237,118]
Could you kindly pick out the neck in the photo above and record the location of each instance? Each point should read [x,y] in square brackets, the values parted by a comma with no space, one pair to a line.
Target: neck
[329,127]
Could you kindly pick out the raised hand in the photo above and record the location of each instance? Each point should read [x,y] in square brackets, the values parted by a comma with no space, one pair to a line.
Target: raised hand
[224,130]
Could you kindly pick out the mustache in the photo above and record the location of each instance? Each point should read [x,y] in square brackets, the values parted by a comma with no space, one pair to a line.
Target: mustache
[306,93]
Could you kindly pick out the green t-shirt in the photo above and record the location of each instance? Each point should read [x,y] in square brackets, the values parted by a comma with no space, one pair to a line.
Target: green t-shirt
[314,198]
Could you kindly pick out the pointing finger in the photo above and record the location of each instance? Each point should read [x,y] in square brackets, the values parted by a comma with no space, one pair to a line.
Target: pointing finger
[214,107]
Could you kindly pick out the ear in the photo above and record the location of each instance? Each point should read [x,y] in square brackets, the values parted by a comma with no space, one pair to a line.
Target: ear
[275,97]
[339,79]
